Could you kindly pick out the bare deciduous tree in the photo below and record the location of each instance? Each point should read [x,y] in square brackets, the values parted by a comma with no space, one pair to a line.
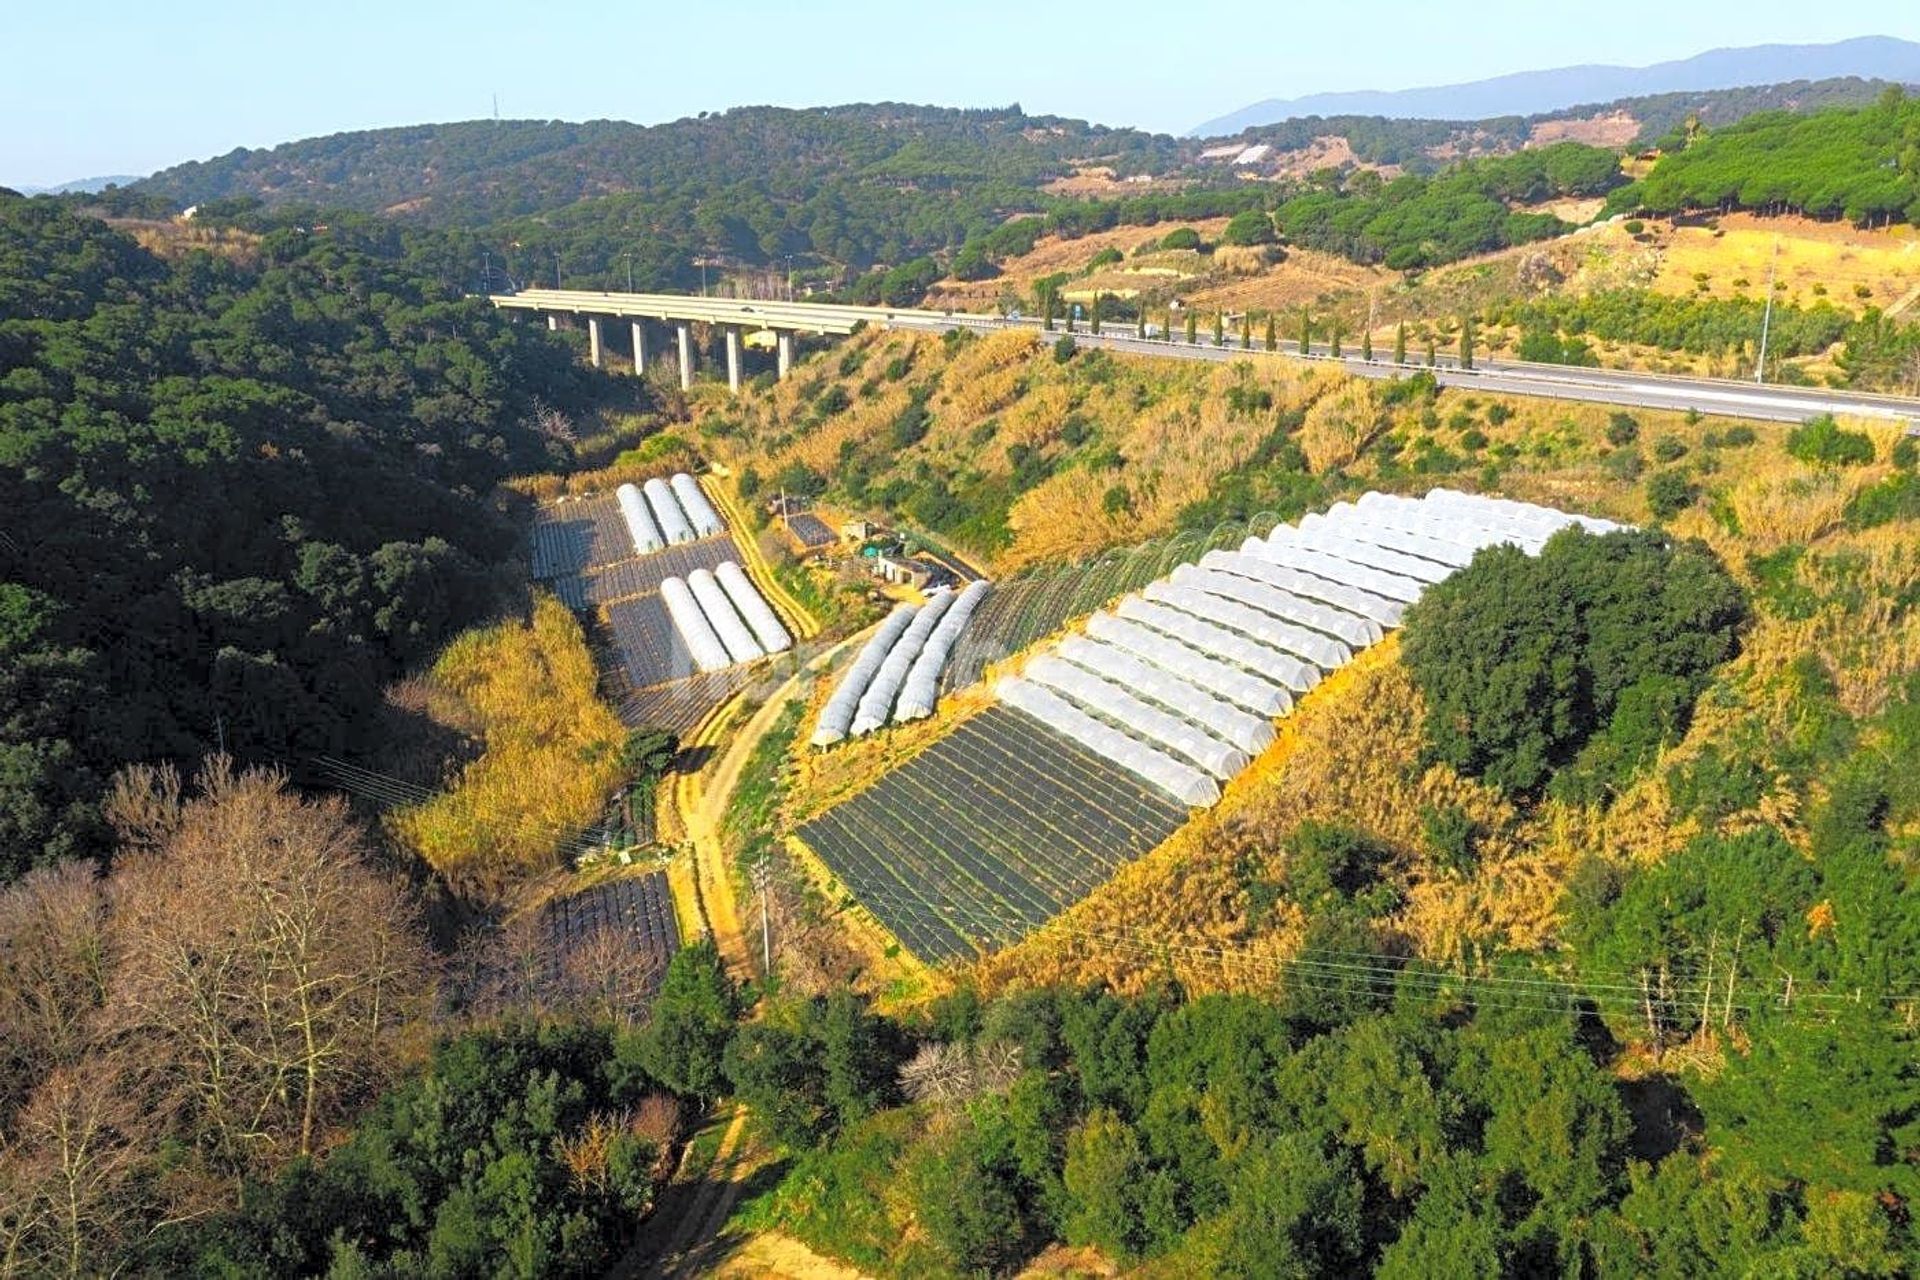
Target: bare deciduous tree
[53,974]
[261,967]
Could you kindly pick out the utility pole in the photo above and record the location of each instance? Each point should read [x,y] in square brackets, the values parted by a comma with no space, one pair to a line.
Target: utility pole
[556,268]
[628,255]
[1766,318]
[486,271]
[762,881]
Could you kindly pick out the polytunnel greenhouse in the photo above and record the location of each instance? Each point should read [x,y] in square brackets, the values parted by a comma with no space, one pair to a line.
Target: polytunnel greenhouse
[836,718]
[726,621]
[703,645]
[640,524]
[666,511]
[921,690]
[876,704]
[699,512]
[1189,670]
[753,607]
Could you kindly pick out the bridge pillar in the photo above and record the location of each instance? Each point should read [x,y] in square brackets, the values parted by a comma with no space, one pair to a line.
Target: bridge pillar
[594,351]
[685,336]
[784,345]
[553,323]
[639,348]
[733,359]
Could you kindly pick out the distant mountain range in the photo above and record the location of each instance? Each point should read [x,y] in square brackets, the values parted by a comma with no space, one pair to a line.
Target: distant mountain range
[86,186]
[1535,92]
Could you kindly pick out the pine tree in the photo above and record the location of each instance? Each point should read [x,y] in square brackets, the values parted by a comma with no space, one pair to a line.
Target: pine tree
[1193,328]
[1219,329]
[1400,343]
[1466,342]
[1306,332]
[1246,331]
[1366,344]
[1093,321]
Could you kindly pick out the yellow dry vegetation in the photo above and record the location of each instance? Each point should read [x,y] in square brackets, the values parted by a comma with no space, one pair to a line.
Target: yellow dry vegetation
[1054,254]
[551,750]
[1815,261]
[1341,425]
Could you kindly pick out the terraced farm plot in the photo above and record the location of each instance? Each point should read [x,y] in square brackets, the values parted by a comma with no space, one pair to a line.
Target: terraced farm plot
[640,575]
[680,704]
[810,531]
[636,910]
[987,834]
[651,651]
[573,537]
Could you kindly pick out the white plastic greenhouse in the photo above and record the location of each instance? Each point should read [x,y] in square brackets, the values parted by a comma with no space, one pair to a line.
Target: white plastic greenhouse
[1323,651]
[700,513]
[876,704]
[1221,679]
[726,620]
[1181,781]
[1357,632]
[759,615]
[708,653]
[836,718]
[1218,642]
[921,690]
[640,526]
[1158,728]
[1190,670]
[1251,733]
[1334,569]
[1376,609]
[666,510]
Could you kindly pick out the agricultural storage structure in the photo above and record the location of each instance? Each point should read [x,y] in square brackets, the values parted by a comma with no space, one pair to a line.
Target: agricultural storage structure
[714,614]
[753,607]
[836,718]
[640,523]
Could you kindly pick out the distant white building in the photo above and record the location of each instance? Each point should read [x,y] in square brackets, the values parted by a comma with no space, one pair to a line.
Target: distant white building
[1254,154]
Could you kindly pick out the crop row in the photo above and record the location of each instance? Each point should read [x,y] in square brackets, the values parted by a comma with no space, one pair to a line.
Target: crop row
[987,834]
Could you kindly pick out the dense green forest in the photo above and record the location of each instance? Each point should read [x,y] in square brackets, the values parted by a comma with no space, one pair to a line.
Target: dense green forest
[237,498]
[1861,164]
[1413,221]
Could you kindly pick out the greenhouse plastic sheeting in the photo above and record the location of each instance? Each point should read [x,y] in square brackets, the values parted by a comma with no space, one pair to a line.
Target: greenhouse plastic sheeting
[726,620]
[1335,569]
[640,526]
[1521,510]
[666,510]
[1323,651]
[708,653]
[1356,631]
[1242,729]
[1157,728]
[876,704]
[1181,781]
[1221,679]
[1349,548]
[1477,526]
[921,691]
[753,607]
[1376,609]
[1383,533]
[836,718]
[1218,642]
[700,513]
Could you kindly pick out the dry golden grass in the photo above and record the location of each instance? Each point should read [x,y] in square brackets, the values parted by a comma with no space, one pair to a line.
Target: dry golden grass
[1341,425]
[1835,256]
[551,755]
[1055,254]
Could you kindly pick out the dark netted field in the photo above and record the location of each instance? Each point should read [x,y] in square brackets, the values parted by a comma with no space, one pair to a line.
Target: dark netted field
[987,834]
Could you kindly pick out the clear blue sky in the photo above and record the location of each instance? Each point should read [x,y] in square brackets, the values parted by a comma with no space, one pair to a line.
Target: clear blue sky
[122,87]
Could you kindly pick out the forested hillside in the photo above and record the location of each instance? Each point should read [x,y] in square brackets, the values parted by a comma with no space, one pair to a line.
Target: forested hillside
[1861,164]
[235,499]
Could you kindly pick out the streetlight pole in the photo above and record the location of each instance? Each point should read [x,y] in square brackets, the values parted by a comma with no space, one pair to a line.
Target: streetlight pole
[629,257]
[556,268]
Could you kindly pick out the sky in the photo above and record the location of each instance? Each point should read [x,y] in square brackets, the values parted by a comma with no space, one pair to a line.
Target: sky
[116,87]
